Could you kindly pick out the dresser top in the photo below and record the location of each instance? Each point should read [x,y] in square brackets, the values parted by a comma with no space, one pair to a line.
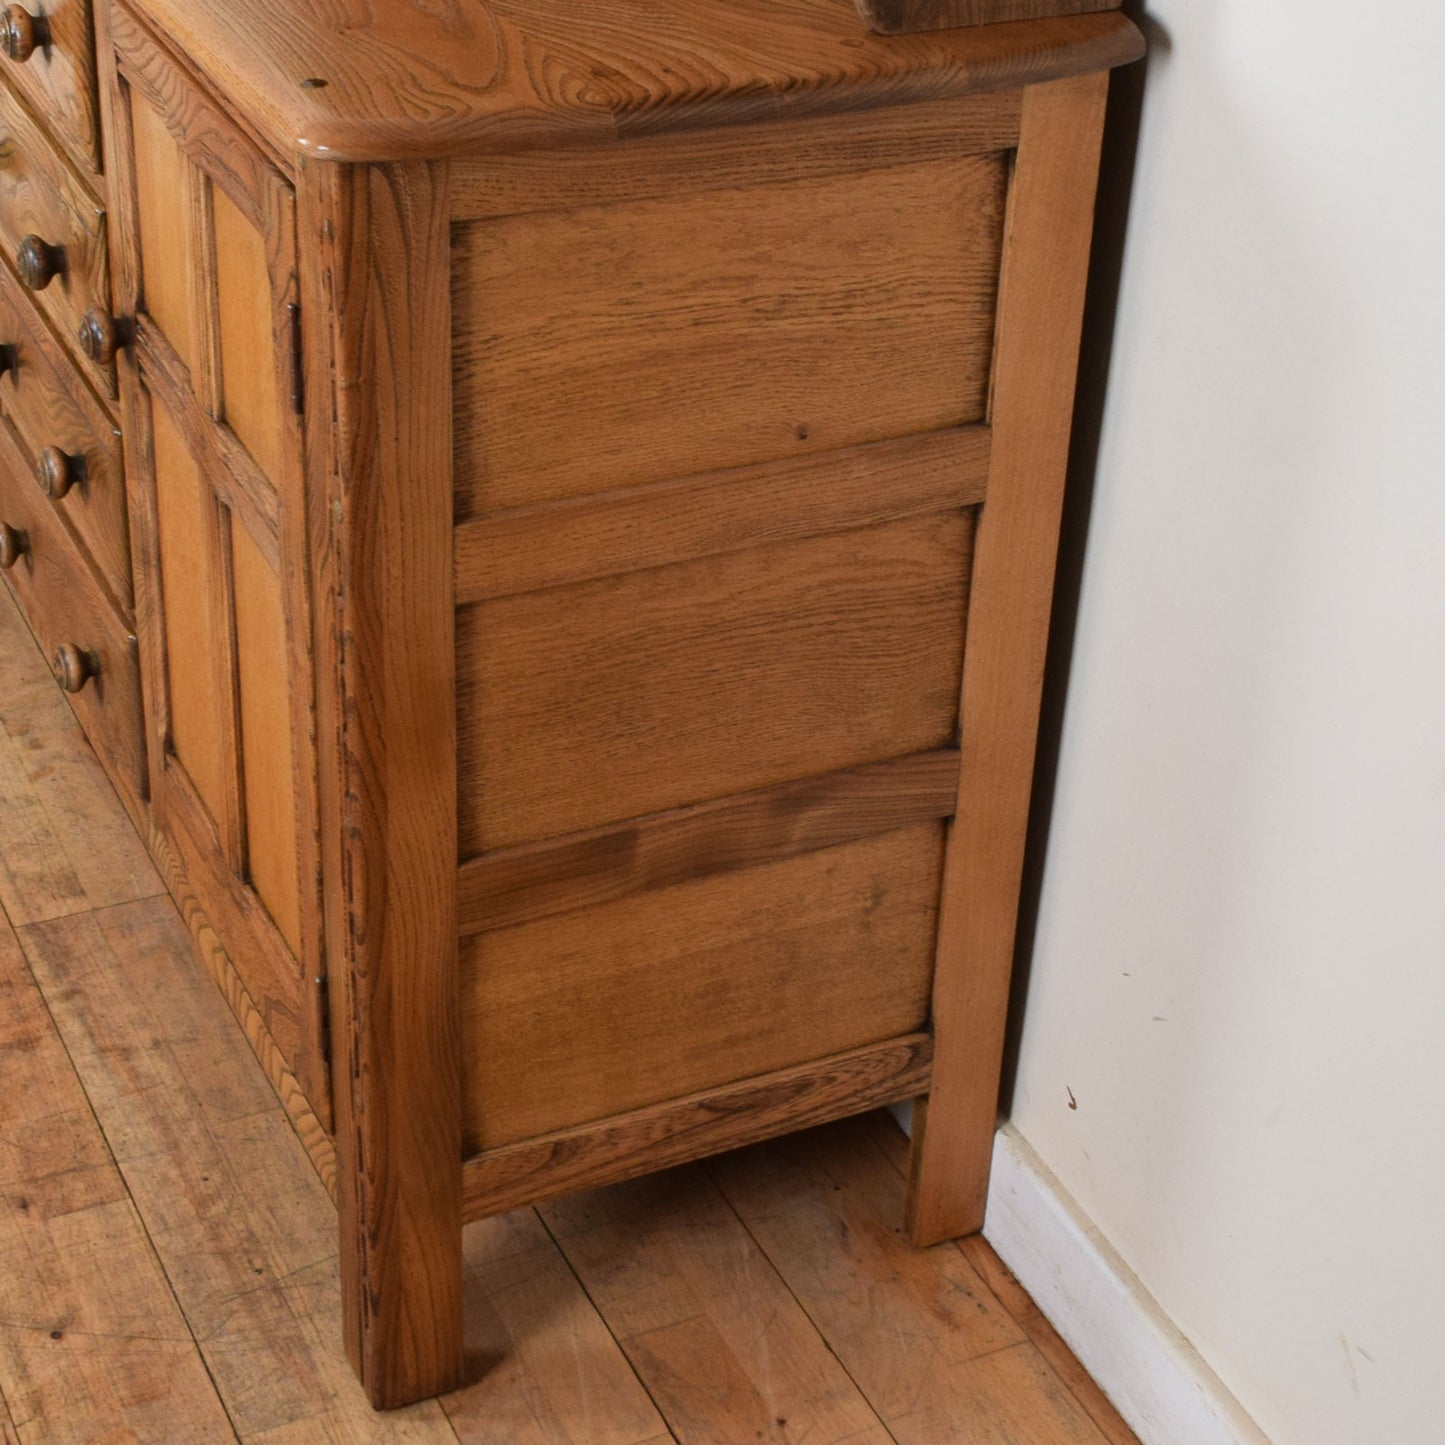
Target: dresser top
[429,78]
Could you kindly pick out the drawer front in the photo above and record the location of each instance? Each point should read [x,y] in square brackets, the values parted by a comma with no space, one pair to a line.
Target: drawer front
[89,646]
[52,230]
[67,444]
[50,60]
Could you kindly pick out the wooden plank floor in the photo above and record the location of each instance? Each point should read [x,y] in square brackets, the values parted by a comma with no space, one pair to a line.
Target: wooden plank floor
[168,1259]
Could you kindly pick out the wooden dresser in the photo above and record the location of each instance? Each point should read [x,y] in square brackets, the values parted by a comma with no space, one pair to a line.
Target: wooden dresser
[568,609]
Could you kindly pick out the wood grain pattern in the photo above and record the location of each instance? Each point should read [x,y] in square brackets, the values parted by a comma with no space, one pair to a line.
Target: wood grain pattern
[1040,310]
[711,981]
[249,336]
[611,699]
[312,1132]
[928,1343]
[487,75]
[66,845]
[728,1354]
[166,186]
[516,885]
[92,1344]
[45,403]
[59,79]
[388,761]
[214,137]
[908,17]
[1046,1340]
[730,158]
[684,1129]
[65,605]
[231,474]
[40,195]
[268,761]
[550,1370]
[198,698]
[236,232]
[558,543]
[612,346]
[238,1217]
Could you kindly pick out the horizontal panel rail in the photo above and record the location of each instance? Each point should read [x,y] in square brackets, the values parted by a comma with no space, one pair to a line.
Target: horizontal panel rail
[516,885]
[552,544]
[679,1130]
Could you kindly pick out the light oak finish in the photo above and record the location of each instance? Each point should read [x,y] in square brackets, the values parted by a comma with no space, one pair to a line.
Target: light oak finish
[218,512]
[49,57]
[535,880]
[129,1064]
[64,603]
[402,84]
[710,981]
[50,215]
[682,1129]
[585,705]
[66,845]
[737,156]
[1040,311]
[529,548]
[615,345]
[573,466]
[70,443]
[388,750]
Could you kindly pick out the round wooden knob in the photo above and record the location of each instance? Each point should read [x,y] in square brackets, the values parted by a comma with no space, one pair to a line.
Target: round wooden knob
[14,544]
[58,471]
[38,262]
[100,337]
[22,34]
[74,667]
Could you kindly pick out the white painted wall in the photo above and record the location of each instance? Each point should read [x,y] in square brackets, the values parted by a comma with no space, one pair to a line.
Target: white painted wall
[1239,968]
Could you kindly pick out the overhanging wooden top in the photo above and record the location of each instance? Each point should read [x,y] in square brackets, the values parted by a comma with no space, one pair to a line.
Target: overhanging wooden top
[431,78]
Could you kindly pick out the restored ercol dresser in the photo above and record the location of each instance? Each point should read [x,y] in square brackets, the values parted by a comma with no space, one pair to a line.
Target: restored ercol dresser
[546,512]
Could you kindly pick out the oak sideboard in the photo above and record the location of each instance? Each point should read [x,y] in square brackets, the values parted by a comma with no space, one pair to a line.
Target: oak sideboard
[547,512]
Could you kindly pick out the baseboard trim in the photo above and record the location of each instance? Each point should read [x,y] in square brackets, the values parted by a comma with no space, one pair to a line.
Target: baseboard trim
[1155,1378]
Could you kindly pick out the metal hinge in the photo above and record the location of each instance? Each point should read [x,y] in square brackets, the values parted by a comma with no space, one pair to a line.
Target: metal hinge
[297,372]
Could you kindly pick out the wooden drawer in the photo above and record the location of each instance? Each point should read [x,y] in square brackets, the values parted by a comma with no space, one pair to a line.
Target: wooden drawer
[51,62]
[52,231]
[69,615]
[68,443]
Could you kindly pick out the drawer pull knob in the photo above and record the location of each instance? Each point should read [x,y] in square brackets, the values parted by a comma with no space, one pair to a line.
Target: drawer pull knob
[74,667]
[22,34]
[38,263]
[100,337]
[14,544]
[57,472]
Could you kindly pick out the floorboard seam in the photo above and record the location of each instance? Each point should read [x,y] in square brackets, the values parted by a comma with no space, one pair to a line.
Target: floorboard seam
[121,1174]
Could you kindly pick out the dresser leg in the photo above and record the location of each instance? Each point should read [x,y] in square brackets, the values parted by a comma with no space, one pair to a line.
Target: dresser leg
[1040,312]
[375,277]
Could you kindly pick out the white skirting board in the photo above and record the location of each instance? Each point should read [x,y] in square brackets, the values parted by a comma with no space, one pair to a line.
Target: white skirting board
[1143,1363]
[1156,1379]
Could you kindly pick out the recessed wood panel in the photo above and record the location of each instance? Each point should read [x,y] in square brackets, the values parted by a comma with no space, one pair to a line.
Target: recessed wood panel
[592,1013]
[197,705]
[267,759]
[587,704]
[248,340]
[615,345]
[166,186]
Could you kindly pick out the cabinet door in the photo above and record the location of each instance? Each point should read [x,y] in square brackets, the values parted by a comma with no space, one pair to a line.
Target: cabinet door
[206,266]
